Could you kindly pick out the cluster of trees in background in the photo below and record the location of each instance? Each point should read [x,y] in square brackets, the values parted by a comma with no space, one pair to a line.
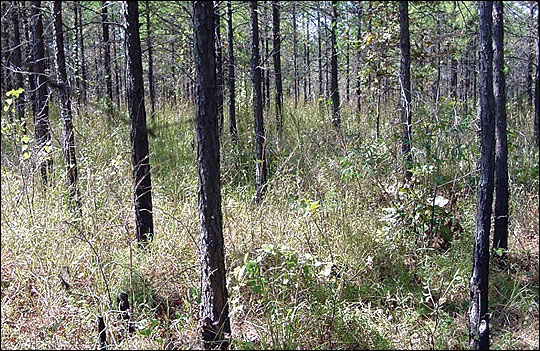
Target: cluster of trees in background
[219,55]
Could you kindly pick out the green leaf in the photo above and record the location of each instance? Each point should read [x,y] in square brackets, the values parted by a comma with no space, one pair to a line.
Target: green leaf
[499,251]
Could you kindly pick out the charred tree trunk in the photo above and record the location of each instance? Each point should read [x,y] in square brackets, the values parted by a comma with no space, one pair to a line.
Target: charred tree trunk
[219,67]
[107,56]
[500,235]
[68,135]
[277,67]
[118,81]
[139,134]
[405,87]
[16,59]
[319,47]
[84,77]
[214,311]
[334,90]
[295,56]
[537,88]
[232,79]
[256,77]
[151,85]
[41,95]
[453,78]
[29,63]
[359,59]
[478,310]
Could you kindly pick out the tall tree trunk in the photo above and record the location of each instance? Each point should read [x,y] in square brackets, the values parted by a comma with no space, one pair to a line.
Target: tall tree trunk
[334,90]
[151,85]
[41,95]
[359,60]
[260,139]
[83,56]
[232,79]
[347,68]
[266,72]
[117,79]
[530,65]
[219,66]
[16,59]
[537,87]
[29,62]
[139,134]
[500,235]
[214,309]
[107,56]
[277,67]
[306,55]
[319,46]
[405,87]
[68,135]
[478,311]
[295,55]
[453,78]
[6,74]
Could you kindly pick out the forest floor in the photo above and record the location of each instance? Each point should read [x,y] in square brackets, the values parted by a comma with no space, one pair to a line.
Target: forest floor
[338,255]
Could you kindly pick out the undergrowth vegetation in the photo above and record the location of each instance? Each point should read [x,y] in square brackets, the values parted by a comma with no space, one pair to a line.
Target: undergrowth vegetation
[338,255]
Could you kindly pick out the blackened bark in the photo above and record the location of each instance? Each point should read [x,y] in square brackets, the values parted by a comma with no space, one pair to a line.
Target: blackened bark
[277,67]
[530,66]
[214,309]
[347,68]
[16,62]
[306,57]
[102,334]
[260,139]
[453,78]
[500,235]
[116,71]
[139,134]
[359,59]
[29,62]
[232,99]
[219,66]
[319,47]
[151,85]
[405,87]
[83,56]
[334,90]
[537,88]
[68,136]
[266,72]
[478,310]
[41,95]
[107,55]
[295,56]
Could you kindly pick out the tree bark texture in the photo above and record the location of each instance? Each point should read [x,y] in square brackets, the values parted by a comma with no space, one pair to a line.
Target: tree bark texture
[68,135]
[232,93]
[16,63]
[277,67]
[151,85]
[41,95]
[256,77]
[139,134]
[334,90]
[219,66]
[500,235]
[214,308]
[405,87]
[107,55]
[478,310]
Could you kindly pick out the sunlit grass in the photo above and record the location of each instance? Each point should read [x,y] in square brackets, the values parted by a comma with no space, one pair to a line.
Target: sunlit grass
[336,256]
